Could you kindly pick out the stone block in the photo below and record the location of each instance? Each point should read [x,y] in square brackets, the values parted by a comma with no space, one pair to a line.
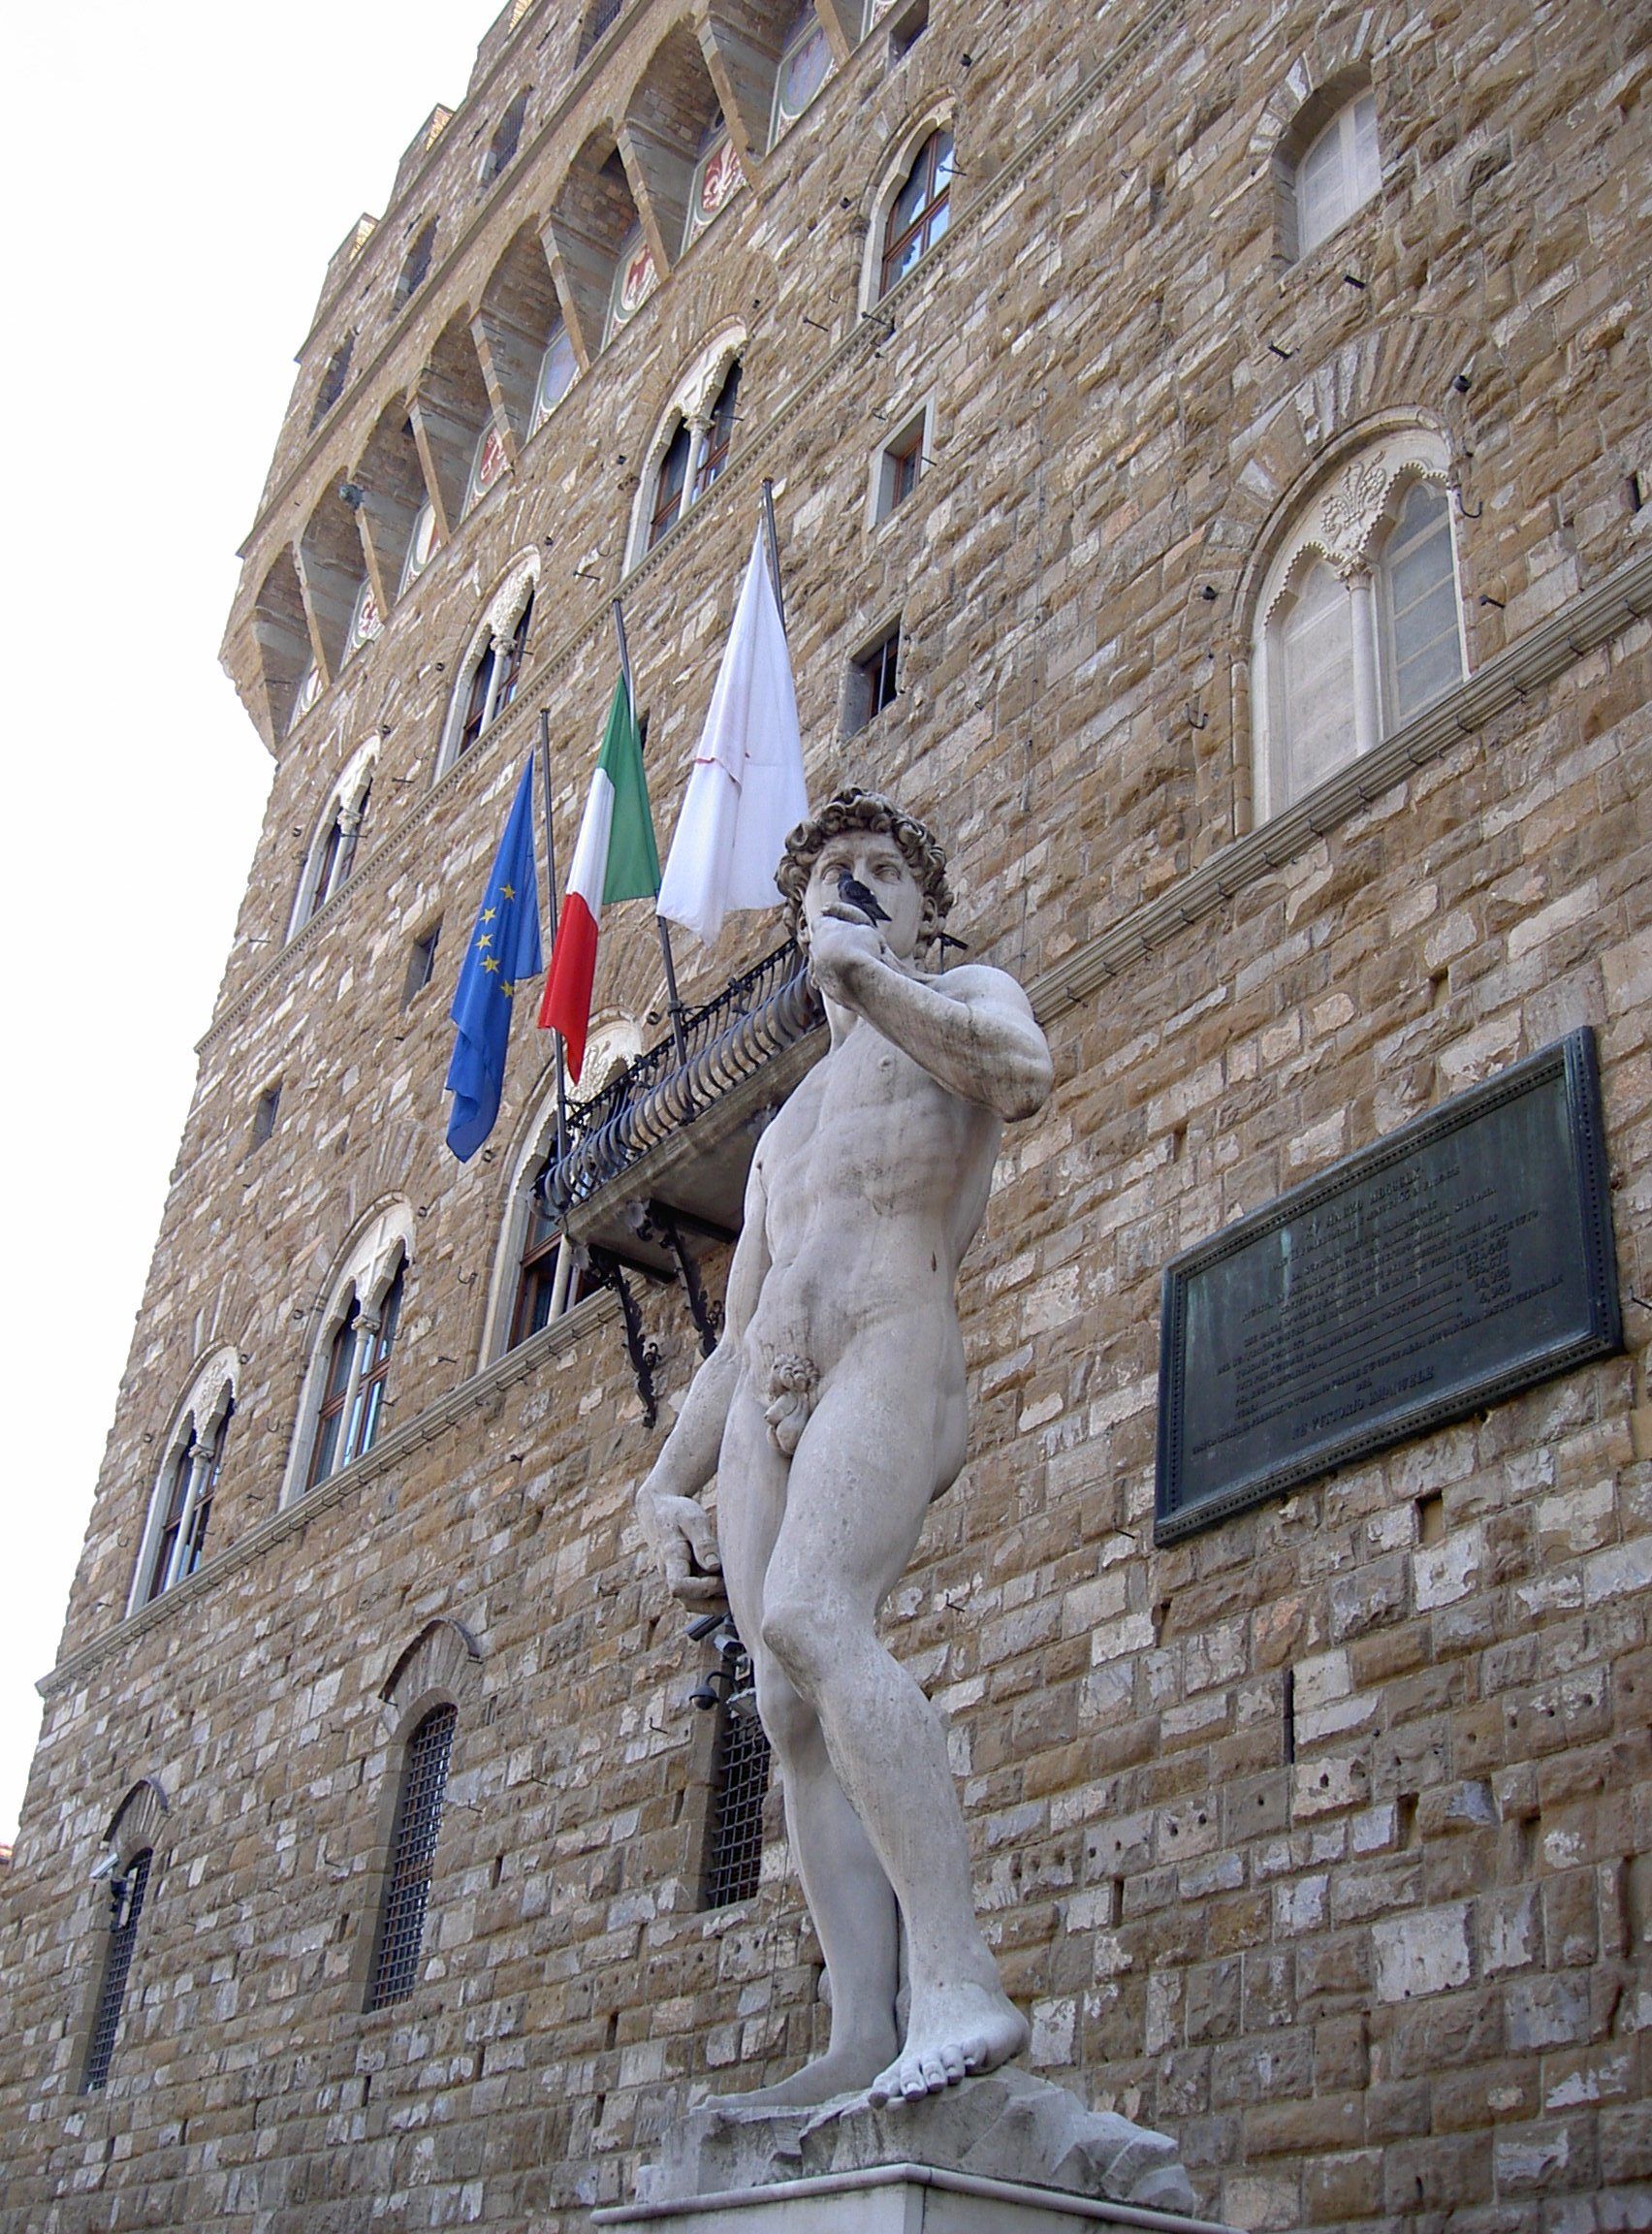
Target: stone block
[1421,1954]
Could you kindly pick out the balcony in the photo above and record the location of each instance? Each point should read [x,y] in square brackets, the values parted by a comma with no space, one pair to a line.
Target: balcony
[674,1136]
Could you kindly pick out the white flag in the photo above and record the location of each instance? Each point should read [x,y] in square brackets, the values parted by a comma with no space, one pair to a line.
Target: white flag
[745,789]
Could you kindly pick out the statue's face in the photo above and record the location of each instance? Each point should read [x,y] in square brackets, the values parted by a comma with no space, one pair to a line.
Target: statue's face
[873,860]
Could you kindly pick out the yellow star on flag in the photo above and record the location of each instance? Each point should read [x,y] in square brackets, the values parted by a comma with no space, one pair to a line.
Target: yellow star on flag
[507,892]
[489,962]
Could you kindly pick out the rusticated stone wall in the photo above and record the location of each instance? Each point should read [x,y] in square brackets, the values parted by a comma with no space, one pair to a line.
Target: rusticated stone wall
[1373,1944]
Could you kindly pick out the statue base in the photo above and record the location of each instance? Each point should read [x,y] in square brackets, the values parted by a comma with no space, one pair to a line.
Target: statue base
[1004,2154]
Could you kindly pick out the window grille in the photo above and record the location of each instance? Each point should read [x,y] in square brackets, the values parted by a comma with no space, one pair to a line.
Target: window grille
[739,1784]
[126,1894]
[412,1855]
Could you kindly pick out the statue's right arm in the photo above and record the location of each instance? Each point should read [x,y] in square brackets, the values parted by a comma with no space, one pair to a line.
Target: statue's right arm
[681,1530]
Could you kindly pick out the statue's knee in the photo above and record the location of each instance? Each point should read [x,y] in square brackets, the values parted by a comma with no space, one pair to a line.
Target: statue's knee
[799,1638]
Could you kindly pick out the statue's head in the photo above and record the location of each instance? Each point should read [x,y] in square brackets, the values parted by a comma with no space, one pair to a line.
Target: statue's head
[855,809]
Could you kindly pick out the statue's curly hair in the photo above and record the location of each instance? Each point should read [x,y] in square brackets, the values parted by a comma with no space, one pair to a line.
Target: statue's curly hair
[856,809]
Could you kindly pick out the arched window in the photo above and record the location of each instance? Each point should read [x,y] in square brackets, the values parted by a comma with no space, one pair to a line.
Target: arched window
[365,621]
[1358,625]
[126,1894]
[493,680]
[558,369]
[669,486]
[490,672]
[805,63]
[693,443]
[188,1510]
[920,212]
[534,1281]
[351,1413]
[346,1390]
[173,1541]
[719,433]
[1340,170]
[330,856]
[400,1935]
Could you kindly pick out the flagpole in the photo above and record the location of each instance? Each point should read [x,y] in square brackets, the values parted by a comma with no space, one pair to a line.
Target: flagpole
[550,880]
[770,544]
[560,1276]
[674,999]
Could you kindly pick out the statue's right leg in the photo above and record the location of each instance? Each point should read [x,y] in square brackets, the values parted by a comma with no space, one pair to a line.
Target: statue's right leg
[849,1897]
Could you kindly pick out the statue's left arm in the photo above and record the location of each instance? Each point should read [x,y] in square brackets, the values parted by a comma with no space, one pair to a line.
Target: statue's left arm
[973,1030]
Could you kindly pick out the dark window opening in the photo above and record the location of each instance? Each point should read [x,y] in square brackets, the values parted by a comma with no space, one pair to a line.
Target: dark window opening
[370,1403]
[330,1419]
[903,467]
[412,1857]
[605,13]
[416,268]
[195,1541]
[493,682]
[333,380]
[176,1495]
[126,1905]
[739,1784]
[265,1112]
[668,497]
[506,139]
[872,684]
[421,963]
[719,433]
[921,211]
[537,1279]
[906,30]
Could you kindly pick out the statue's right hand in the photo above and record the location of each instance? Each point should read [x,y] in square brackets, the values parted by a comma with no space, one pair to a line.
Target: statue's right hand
[685,1541]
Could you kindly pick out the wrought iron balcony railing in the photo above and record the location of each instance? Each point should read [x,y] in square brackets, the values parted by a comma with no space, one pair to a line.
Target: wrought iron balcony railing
[757,1018]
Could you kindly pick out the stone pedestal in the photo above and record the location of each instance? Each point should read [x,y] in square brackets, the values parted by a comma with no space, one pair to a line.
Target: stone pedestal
[895,2199]
[1006,2154]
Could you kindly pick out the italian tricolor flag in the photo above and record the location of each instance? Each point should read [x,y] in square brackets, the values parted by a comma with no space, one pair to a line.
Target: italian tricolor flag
[615,859]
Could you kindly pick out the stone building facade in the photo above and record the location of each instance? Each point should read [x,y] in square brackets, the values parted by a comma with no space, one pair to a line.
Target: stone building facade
[1252,463]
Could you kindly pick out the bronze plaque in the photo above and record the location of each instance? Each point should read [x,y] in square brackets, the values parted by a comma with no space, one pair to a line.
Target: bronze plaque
[1463,1258]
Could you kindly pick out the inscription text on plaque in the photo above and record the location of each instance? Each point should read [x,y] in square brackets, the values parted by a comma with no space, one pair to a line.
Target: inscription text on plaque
[1459,1259]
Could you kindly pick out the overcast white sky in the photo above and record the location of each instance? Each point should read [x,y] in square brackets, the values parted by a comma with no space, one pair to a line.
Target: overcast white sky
[175,179]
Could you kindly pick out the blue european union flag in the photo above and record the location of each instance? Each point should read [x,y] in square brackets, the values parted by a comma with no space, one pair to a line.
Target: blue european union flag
[504,951]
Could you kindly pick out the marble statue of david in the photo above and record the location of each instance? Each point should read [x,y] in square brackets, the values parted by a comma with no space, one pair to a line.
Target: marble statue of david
[831,1414]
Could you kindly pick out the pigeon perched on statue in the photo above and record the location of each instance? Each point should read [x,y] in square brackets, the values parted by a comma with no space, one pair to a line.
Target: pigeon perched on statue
[854,894]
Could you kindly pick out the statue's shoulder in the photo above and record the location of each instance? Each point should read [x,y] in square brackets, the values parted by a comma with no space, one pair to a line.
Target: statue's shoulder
[980,981]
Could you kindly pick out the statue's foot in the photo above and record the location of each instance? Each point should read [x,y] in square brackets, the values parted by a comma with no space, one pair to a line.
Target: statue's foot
[952,2036]
[840,2071]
